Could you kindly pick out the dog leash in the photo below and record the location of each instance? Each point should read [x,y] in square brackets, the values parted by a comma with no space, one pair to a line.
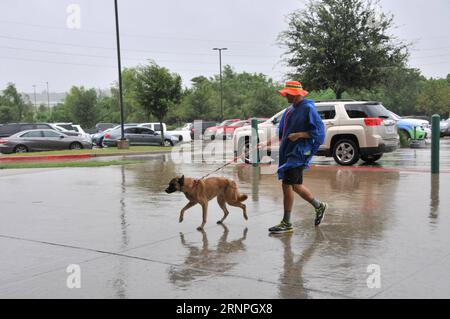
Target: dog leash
[234,159]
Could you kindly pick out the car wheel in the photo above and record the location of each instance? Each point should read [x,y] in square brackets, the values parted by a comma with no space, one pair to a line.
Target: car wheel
[405,138]
[345,152]
[168,143]
[20,149]
[213,137]
[76,146]
[371,158]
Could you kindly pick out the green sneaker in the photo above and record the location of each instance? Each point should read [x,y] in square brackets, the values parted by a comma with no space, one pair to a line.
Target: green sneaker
[320,213]
[282,228]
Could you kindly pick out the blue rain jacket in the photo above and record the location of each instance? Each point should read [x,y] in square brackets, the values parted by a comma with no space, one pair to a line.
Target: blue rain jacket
[302,117]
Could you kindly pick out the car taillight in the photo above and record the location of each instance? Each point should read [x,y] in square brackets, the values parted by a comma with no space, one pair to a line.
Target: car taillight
[107,135]
[2,141]
[372,121]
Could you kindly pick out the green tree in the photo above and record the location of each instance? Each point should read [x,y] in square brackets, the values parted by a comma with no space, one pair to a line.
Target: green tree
[81,104]
[157,90]
[342,45]
[434,97]
[19,109]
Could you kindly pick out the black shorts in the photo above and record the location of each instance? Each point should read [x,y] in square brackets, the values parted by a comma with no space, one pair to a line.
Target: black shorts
[293,176]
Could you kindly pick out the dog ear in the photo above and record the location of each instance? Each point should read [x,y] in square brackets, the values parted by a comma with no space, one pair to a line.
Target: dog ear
[181,181]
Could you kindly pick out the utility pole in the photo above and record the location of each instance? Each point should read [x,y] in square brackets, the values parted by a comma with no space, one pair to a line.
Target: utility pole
[122,143]
[221,87]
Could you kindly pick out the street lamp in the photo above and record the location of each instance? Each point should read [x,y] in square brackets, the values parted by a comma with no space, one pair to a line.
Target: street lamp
[122,143]
[34,89]
[221,88]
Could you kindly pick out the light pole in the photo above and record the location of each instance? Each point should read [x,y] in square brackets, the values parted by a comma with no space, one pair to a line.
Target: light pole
[221,88]
[34,89]
[122,142]
[48,97]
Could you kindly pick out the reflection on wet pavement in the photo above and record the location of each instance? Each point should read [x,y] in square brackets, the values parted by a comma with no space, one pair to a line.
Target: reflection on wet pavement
[120,226]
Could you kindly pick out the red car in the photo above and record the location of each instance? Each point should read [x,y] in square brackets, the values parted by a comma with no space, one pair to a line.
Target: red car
[227,131]
[210,133]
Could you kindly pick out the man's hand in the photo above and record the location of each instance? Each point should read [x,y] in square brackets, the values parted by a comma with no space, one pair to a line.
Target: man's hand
[295,136]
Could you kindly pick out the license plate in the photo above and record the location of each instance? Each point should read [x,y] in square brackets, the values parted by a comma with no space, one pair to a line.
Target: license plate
[390,129]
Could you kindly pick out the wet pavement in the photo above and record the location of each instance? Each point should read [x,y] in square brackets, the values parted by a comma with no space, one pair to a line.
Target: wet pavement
[122,229]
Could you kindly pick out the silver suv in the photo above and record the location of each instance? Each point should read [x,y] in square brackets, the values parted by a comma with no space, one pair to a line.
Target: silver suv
[354,130]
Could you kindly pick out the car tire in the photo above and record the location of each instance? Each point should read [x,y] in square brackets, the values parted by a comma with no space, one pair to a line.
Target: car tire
[168,143]
[346,152]
[370,159]
[76,146]
[20,149]
[213,137]
[405,138]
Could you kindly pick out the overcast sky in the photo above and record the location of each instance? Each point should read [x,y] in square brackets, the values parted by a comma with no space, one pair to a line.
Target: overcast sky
[37,46]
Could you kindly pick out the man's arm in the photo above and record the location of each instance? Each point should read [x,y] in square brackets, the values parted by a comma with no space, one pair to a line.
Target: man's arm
[295,136]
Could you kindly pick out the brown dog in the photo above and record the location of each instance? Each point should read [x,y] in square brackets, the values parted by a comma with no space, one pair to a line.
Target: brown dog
[202,191]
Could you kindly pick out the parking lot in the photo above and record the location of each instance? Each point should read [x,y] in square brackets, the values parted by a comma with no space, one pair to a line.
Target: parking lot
[120,227]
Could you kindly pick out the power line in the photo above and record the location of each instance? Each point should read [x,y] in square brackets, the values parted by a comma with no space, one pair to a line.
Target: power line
[131,59]
[162,37]
[107,66]
[111,48]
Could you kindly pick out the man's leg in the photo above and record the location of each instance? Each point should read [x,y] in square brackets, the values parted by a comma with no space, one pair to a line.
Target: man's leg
[288,202]
[319,207]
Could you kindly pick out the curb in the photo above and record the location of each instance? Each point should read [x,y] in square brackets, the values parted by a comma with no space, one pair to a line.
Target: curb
[68,157]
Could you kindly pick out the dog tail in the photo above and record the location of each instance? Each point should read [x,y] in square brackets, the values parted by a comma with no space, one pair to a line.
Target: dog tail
[240,197]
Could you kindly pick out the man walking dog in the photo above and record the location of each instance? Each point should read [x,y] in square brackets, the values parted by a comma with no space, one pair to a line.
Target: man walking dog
[301,132]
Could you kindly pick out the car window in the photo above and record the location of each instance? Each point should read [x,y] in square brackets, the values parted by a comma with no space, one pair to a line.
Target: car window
[326,112]
[25,127]
[355,111]
[144,130]
[32,134]
[157,127]
[51,134]
[130,130]
[9,129]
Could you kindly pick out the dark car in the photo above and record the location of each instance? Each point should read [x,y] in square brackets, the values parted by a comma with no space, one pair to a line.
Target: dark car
[104,126]
[138,135]
[13,128]
[42,140]
[195,133]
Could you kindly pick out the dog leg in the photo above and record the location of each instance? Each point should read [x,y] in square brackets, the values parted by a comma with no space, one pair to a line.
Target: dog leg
[185,208]
[222,205]
[205,213]
[240,205]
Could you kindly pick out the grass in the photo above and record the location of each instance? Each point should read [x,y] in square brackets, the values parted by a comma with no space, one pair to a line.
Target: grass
[99,151]
[65,164]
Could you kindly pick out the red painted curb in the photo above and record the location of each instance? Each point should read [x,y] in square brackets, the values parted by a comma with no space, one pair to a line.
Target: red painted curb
[43,158]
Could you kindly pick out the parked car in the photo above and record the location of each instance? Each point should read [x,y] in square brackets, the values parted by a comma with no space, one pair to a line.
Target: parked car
[42,140]
[101,127]
[184,136]
[411,129]
[228,131]
[210,132]
[97,138]
[354,130]
[445,128]
[198,134]
[138,135]
[9,129]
